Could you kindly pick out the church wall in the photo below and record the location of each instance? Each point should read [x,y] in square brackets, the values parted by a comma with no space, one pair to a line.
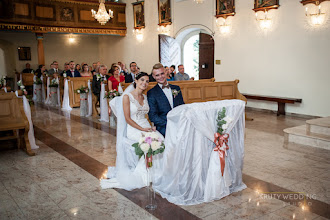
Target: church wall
[291,60]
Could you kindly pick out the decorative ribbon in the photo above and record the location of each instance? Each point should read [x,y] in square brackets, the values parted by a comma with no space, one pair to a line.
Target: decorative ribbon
[148,161]
[50,94]
[35,91]
[83,99]
[221,142]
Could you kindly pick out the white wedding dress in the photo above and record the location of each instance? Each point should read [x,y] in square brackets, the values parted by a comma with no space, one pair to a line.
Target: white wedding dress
[130,171]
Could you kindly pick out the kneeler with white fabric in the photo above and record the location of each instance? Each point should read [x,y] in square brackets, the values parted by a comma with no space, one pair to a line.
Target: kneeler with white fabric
[191,170]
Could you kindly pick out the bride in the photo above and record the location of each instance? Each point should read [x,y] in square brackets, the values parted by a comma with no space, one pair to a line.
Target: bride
[131,108]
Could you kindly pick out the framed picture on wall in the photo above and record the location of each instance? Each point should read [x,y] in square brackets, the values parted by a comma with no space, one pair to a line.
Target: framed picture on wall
[138,12]
[261,5]
[24,53]
[225,8]
[164,12]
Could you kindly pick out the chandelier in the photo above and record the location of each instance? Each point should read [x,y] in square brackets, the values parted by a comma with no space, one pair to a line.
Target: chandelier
[102,16]
[199,1]
[316,18]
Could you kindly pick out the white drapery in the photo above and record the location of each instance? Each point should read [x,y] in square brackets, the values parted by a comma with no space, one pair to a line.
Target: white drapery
[66,101]
[34,89]
[47,101]
[27,110]
[43,89]
[89,99]
[191,169]
[103,105]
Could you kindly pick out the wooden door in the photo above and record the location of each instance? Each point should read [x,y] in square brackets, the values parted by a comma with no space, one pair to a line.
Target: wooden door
[206,56]
[169,51]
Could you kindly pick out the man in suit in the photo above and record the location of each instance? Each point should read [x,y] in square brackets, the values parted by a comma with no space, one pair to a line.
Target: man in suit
[97,79]
[72,72]
[55,69]
[162,98]
[130,77]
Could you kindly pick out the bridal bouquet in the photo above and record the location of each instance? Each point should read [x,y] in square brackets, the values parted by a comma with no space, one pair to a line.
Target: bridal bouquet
[111,94]
[53,83]
[149,144]
[221,138]
[82,89]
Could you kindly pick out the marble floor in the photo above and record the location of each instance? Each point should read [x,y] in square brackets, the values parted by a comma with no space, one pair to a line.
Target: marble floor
[62,180]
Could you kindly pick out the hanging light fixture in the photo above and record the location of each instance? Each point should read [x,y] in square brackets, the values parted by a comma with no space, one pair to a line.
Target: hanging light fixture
[102,16]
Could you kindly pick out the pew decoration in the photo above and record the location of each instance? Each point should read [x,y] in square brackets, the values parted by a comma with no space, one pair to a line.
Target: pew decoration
[66,100]
[43,92]
[37,84]
[221,138]
[109,96]
[83,91]
[90,99]
[47,101]
[103,105]
[53,92]
[2,82]
[21,88]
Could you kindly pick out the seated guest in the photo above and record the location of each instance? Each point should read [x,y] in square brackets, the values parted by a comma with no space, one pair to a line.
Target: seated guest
[181,75]
[94,67]
[124,70]
[115,79]
[72,72]
[172,71]
[55,69]
[97,79]
[168,74]
[110,72]
[131,76]
[40,71]
[27,69]
[85,71]
[78,67]
[90,69]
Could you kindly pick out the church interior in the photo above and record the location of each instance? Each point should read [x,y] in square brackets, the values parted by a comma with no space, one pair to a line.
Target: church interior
[58,135]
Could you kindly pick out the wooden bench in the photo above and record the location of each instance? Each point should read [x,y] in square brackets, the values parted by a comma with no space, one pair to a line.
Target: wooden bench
[205,90]
[280,101]
[12,118]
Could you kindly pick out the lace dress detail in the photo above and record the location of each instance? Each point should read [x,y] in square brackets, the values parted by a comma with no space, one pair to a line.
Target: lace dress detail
[138,114]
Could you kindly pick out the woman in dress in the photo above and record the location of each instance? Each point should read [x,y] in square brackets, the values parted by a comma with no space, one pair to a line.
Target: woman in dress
[131,108]
[85,71]
[115,79]
[78,67]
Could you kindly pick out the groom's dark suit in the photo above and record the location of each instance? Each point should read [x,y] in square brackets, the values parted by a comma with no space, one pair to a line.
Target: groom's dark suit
[160,106]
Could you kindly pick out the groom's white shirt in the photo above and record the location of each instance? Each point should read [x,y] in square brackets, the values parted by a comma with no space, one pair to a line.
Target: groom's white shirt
[168,94]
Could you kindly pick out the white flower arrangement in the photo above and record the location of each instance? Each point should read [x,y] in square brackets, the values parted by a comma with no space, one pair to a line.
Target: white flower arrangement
[149,144]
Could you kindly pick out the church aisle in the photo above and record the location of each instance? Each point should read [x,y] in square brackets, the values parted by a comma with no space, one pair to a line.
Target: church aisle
[61,182]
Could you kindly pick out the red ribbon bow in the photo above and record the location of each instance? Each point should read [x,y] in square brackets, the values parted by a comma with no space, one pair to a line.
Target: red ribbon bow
[221,142]
[148,161]
[50,94]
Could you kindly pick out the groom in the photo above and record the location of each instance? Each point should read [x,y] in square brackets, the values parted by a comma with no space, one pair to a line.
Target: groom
[162,98]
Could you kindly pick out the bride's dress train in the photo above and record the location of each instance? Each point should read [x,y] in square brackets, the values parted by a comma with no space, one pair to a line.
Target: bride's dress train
[130,171]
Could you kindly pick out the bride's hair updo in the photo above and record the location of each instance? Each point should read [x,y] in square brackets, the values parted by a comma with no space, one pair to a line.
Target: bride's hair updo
[138,76]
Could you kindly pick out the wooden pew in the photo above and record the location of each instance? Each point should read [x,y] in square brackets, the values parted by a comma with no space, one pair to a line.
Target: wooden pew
[205,90]
[280,101]
[12,118]
[76,83]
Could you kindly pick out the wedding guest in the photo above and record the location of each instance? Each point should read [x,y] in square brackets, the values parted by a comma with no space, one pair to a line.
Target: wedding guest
[181,75]
[72,72]
[40,71]
[66,68]
[172,70]
[55,69]
[28,69]
[124,70]
[90,69]
[97,79]
[115,79]
[168,74]
[110,72]
[94,67]
[134,70]
[78,67]
[85,71]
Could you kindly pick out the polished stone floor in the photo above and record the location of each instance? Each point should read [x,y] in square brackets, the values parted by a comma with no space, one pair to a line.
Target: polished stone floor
[62,180]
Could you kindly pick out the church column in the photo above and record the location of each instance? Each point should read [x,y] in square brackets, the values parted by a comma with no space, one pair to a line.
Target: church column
[41,54]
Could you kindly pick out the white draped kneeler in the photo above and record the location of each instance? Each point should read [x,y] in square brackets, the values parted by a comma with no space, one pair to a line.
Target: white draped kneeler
[103,105]
[66,101]
[191,170]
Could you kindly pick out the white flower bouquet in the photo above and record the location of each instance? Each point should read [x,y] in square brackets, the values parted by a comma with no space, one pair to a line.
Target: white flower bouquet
[53,83]
[149,144]
[82,89]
